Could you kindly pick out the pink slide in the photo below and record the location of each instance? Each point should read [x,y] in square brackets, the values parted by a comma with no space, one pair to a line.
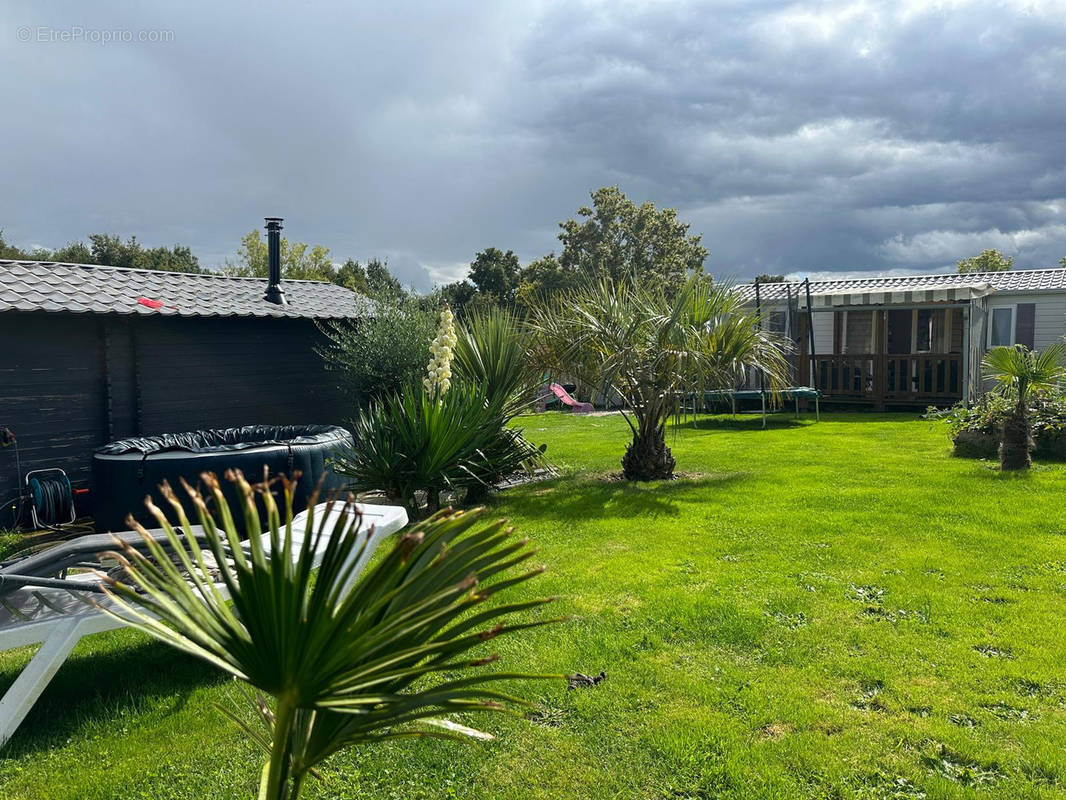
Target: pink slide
[567,400]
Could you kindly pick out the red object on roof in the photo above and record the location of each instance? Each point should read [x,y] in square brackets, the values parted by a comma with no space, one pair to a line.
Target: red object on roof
[147,301]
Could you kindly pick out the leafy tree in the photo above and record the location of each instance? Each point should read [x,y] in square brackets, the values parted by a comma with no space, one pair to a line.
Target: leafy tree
[12,252]
[175,259]
[543,278]
[382,283]
[615,239]
[1021,373]
[108,249]
[458,295]
[495,274]
[770,278]
[352,275]
[388,657]
[81,253]
[1062,262]
[988,261]
[649,346]
[299,261]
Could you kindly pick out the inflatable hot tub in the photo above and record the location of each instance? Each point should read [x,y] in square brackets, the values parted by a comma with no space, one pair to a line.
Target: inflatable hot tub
[124,472]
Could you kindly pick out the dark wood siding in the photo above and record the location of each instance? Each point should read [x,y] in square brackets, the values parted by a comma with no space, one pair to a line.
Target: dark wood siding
[69,382]
[51,394]
[217,373]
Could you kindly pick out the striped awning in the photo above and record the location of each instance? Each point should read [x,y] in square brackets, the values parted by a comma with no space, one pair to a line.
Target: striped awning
[962,293]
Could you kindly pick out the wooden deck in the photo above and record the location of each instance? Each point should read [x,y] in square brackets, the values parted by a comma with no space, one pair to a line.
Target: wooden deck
[881,378]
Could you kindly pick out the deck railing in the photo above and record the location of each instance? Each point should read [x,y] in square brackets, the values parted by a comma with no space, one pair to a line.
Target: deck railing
[877,377]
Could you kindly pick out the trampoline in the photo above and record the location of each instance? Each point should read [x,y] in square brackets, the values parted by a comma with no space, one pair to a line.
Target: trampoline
[793,393]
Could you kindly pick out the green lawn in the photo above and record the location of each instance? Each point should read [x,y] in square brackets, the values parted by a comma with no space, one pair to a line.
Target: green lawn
[833,610]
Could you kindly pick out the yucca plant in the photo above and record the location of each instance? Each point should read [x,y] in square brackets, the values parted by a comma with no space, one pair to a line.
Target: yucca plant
[649,348]
[491,352]
[417,444]
[1021,373]
[390,657]
[450,435]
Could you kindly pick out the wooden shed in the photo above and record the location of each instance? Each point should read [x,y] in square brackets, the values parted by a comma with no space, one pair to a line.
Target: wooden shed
[91,354]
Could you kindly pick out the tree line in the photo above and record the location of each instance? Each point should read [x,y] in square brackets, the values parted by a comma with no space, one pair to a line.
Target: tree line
[106,249]
[612,237]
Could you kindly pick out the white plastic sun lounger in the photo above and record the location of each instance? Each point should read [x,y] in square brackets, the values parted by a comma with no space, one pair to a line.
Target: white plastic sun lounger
[59,617]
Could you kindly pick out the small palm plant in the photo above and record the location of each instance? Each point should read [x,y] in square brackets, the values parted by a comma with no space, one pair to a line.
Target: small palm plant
[650,348]
[453,432]
[1021,373]
[385,659]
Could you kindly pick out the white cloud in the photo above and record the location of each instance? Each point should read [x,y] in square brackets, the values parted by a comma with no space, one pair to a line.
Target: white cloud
[948,246]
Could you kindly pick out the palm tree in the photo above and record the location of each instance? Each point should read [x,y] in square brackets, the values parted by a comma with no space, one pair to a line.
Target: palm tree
[345,666]
[649,349]
[1021,373]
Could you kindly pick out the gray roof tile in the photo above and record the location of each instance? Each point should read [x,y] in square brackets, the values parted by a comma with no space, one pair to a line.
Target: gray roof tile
[82,288]
[1025,280]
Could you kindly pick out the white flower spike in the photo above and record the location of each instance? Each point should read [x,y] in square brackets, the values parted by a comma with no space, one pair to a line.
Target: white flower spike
[439,371]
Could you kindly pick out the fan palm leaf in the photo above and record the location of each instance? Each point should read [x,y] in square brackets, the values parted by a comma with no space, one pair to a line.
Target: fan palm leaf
[649,348]
[346,663]
[1020,373]
[491,353]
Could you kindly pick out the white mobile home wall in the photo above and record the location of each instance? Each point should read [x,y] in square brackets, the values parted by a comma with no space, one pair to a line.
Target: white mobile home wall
[1049,324]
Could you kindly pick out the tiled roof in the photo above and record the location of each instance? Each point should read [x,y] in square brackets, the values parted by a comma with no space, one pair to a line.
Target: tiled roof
[81,288]
[1026,280]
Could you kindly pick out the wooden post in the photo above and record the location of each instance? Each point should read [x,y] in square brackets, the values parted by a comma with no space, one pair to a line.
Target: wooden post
[964,377]
[810,332]
[880,359]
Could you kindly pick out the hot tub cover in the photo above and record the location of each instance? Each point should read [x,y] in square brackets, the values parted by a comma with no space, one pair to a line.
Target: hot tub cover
[126,470]
[217,440]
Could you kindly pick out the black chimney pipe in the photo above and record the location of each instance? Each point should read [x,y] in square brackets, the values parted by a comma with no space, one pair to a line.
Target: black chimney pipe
[274,293]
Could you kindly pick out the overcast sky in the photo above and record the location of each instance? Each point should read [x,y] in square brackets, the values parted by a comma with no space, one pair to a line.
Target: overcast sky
[795,137]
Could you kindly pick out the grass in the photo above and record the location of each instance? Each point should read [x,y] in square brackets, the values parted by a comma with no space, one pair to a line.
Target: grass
[833,610]
[9,541]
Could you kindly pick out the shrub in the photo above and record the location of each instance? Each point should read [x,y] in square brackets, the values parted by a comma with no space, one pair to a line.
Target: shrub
[491,352]
[383,350]
[975,431]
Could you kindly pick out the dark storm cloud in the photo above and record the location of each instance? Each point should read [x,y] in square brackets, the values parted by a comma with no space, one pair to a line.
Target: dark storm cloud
[793,136]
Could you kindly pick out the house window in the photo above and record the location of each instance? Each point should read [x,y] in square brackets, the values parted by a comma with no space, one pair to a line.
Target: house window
[1001,327]
[923,333]
[858,328]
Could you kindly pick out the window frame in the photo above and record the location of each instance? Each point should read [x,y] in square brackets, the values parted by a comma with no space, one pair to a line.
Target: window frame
[1013,309]
[916,315]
